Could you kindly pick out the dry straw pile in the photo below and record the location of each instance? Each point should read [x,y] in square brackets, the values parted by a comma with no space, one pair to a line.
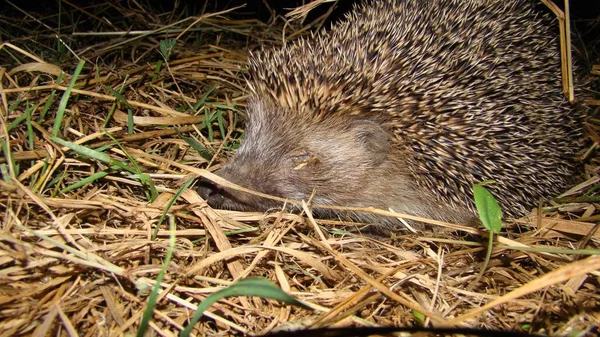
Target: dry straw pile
[105,122]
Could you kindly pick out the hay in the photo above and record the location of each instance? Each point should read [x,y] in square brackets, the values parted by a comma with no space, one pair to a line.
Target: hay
[94,157]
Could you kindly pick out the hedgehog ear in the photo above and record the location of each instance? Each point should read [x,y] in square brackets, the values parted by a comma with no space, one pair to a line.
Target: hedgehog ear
[373,138]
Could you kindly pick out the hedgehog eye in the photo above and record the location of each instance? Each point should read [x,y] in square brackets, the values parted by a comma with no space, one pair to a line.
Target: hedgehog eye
[306,159]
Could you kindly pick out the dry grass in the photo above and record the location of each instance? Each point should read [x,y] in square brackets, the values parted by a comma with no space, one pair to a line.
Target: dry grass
[83,236]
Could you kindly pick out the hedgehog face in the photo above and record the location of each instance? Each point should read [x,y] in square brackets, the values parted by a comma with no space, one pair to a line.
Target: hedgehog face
[328,160]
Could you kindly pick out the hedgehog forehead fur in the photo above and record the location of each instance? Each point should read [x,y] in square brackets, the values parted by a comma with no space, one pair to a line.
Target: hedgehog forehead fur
[468,90]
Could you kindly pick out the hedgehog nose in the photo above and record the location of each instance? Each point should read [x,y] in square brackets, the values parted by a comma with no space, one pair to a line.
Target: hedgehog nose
[211,192]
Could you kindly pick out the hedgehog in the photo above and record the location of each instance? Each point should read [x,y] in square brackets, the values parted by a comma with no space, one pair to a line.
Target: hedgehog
[403,105]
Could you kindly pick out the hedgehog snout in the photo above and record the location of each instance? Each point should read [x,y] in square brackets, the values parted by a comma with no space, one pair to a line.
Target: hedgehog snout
[211,192]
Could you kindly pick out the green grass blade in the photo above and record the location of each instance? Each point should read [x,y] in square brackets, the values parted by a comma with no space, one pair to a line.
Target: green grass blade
[169,205]
[203,98]
[86,151]
[60,113]
[161,275]
[87,180]
[247,287]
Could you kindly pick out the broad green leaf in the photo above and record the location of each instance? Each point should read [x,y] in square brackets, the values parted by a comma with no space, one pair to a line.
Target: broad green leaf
[488,208]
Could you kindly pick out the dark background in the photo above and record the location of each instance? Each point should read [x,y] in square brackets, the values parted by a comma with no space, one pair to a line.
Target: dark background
[585,16]
[580,9]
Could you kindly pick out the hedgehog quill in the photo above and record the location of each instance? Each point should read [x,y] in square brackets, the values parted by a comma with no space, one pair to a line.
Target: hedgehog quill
[405,104]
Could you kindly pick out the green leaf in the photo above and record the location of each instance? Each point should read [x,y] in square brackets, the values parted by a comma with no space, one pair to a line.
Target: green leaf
[487,207]
[166,48]
[418,316]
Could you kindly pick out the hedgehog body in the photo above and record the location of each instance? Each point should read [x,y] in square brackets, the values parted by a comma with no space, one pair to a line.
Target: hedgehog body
[404,105]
